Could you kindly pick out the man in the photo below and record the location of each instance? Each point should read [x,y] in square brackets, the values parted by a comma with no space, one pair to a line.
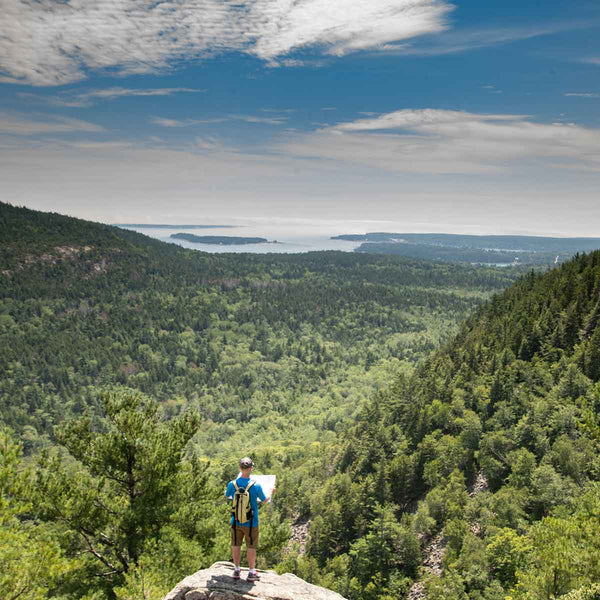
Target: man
[246,531]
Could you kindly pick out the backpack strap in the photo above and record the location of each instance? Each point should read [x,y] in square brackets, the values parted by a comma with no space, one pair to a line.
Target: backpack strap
[250,484]
[235,485]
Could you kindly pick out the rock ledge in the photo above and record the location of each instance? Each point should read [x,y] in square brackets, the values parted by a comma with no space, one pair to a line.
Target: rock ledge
[216,583]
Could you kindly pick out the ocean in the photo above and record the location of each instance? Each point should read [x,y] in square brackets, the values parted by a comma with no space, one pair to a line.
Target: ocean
[289,238]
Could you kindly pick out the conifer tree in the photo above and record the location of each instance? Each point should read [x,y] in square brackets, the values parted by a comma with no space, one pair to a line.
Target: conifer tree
[127,486]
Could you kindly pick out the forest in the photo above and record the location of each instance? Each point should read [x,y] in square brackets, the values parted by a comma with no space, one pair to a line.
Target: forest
[400,402]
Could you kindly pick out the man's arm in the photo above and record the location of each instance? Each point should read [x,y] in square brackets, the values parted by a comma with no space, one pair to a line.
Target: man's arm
[261,494]
[230,491]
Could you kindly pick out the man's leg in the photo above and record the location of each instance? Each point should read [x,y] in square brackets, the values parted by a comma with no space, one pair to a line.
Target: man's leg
[236,552]
[251,549]
[251,557]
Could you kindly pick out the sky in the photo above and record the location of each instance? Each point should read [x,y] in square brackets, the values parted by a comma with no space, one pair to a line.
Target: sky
[472,116]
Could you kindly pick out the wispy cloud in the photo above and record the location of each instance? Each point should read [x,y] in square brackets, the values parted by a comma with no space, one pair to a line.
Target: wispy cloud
[278,110]
[15,124]
[53,43]
[424,120]
[174,122]
[443,141]
[83,99]
[463,40]
[583,94]
[163,122]
[593,60]
[492,89]
[263,120]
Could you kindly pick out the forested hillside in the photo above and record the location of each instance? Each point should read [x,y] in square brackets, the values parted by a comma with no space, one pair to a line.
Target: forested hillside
[134,373]
[85,305]
[491,450]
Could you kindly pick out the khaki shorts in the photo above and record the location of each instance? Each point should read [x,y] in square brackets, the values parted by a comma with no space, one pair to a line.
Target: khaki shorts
[239,534]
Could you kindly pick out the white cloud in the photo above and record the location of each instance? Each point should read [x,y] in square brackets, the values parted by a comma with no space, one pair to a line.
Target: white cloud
[203,144]
[263,120]
[14,124]
[442,141]
[462,40]
[53,43]
[173,122]
[115,183]
[583,94]
[92,145]
[278,110]
[419,119]
[594,60]
[247,118]
[84,99]
[342,26]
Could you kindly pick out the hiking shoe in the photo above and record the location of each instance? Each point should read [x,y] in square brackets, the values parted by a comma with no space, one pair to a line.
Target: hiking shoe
[236,573]
[253,577]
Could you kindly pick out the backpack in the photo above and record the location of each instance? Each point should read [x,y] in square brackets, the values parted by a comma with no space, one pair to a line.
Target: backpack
[241,510]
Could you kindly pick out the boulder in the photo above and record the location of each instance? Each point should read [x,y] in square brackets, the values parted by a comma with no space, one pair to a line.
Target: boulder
[217,583]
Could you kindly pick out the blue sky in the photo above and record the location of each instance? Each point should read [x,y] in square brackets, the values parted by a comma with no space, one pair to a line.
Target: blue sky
[426,115]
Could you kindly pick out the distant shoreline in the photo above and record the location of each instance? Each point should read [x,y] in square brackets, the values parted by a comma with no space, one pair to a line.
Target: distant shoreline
[473,249]
[221,240]
[167,226]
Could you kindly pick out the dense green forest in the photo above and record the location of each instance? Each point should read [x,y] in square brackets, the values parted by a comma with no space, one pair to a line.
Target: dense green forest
[492,446]
[134,373]
[237,337]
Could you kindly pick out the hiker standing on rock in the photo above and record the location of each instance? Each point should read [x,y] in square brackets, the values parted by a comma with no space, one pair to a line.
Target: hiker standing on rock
[245,494]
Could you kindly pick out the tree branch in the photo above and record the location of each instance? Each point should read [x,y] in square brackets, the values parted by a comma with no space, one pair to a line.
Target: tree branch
[19,593]
[97,554]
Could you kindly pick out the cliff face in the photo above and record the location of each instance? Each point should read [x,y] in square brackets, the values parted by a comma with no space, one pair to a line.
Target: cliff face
[216,583]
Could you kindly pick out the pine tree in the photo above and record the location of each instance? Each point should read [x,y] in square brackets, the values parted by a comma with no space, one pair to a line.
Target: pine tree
[126,485]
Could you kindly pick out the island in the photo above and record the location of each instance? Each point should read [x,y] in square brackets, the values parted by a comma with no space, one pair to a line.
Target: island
[224,240]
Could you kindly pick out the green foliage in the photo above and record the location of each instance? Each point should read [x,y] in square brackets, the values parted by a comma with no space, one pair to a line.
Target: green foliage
[588,592]
[512,401]
[564,551]
[321,365]
[129,491]
[507,553]
[31,562]
[239,337]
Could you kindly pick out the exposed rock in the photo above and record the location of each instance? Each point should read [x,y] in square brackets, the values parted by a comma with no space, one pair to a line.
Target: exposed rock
[434,555]
[416,592]
[432,565]
[476,529]
[480,485]
[49,258]
[100,267]
[71,251]
[299,536]
[217,583]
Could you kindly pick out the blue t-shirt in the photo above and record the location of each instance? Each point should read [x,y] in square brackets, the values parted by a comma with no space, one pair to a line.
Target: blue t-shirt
[256,494]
